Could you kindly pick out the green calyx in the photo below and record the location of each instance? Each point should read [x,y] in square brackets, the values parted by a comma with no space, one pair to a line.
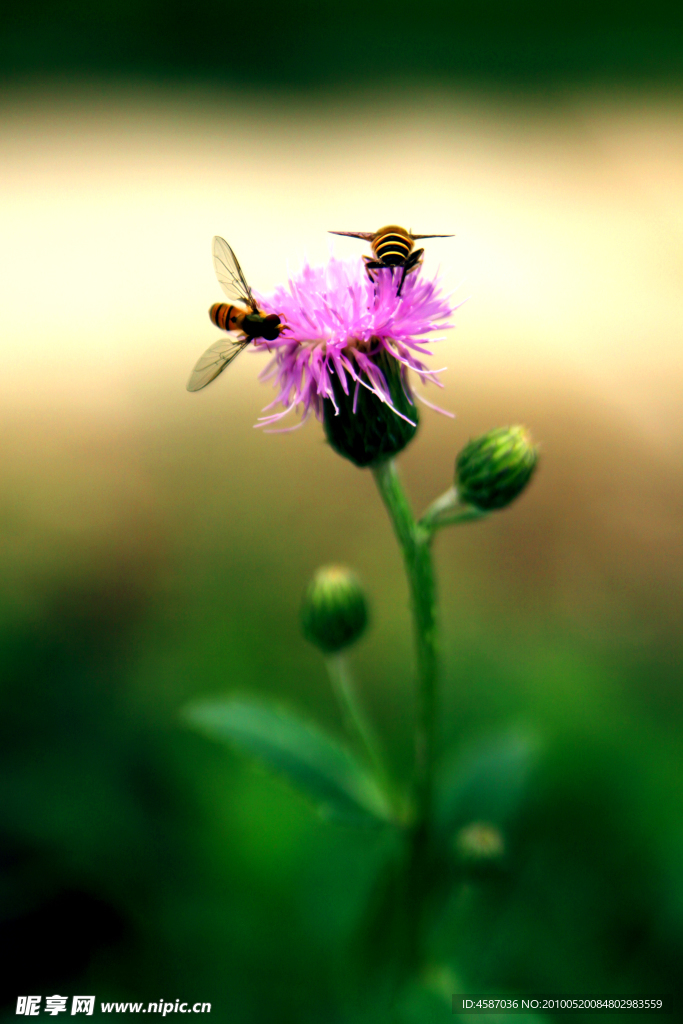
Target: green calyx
[373,433]
[492,470]
[334,612]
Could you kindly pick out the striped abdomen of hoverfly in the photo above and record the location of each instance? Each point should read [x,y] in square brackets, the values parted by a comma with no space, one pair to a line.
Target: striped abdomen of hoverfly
[392,245]
[253,324]
[227,317]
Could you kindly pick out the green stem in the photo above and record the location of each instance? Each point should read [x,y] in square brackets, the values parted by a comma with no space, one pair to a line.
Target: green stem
[448,510]
[414,540]
[355,719]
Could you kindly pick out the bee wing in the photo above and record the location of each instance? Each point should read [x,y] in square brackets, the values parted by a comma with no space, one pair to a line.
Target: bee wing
[229,273]
[415,237]
[214,361]
[367,236]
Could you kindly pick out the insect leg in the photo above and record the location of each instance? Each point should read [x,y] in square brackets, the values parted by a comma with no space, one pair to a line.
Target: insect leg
[413,260]
[371,265]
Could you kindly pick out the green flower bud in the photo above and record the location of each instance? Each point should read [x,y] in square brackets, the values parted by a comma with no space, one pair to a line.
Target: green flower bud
[334,612]
[493,470]
[373,432]
[479,844]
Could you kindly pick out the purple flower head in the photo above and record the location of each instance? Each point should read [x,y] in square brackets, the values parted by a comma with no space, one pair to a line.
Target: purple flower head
[344,333]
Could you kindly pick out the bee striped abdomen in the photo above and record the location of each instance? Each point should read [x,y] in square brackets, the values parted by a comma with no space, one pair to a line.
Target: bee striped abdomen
[225,316]
[392,248]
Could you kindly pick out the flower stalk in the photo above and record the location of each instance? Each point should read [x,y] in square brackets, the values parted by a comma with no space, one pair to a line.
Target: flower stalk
[449,510]
[414,540]
[415,546]
[353,714]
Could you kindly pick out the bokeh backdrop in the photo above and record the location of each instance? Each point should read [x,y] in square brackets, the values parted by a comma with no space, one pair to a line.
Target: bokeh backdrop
[156,546]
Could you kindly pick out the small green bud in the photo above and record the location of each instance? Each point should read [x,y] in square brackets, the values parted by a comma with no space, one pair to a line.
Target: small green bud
[493,470]
[334,612]
[479,843]
[373,432]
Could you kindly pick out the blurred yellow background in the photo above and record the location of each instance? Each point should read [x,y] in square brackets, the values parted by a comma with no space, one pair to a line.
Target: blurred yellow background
[567,216]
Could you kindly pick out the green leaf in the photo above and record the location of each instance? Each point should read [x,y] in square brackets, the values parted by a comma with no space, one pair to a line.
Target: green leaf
[313,762]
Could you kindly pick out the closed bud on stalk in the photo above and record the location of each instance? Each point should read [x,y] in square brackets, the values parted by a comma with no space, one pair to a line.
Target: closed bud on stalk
[493,470]
[334,612]
[367,430]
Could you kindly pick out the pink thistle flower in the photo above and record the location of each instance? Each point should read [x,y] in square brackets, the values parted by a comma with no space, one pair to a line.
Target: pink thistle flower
[348,342]
[337,321]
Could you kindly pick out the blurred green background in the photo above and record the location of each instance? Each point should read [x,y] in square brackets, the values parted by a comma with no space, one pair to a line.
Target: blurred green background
[155,547]
[302,42]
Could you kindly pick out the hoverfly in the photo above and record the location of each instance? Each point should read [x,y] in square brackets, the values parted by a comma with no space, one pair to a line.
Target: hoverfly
[392,247]
[243,325]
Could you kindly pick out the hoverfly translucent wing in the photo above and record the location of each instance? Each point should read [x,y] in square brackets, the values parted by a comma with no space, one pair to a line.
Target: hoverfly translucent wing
[229,273]
[415,237]
[367,236]
[214,361]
